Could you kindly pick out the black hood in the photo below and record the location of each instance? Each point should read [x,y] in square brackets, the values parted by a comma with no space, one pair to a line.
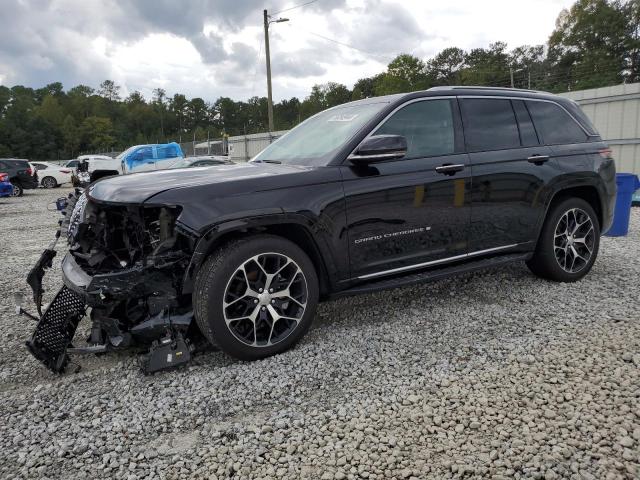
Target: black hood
[140,187]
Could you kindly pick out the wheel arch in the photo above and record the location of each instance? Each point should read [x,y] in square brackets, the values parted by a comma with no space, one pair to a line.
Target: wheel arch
[291,227]
[588,192]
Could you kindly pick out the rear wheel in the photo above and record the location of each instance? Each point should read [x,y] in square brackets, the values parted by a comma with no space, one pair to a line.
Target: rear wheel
[256,297]
[49,182]
[17,190]
[569,242]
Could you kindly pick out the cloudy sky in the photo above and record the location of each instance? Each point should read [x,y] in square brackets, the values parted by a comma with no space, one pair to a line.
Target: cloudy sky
[210,48]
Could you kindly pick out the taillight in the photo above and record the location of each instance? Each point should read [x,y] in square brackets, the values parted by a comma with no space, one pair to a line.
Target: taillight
[606,153]
[29,171]
[4,177]
[65,171]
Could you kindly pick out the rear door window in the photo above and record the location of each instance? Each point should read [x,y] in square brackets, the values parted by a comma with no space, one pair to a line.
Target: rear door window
[489,124]
[554,124]
[40,166]
[167,151]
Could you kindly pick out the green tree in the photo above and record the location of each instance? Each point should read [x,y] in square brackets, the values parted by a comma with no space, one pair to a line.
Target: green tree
[631,11]
[405,73]
[71,136]
[365,88]
[336,94]
[487,66]
[51,111]
[97,133]
[588,46]
[446,67]
[109,91]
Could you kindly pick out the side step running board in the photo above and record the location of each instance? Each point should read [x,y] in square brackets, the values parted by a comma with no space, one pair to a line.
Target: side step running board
[431,275]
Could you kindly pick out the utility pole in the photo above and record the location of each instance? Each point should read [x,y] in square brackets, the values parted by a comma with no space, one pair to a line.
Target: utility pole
[511,73]
[268,55]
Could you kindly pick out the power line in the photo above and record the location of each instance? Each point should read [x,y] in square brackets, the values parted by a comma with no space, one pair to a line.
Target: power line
[385,57]
[294,7]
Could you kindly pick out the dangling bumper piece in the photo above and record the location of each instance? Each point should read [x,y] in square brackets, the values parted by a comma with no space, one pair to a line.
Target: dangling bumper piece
[56,329]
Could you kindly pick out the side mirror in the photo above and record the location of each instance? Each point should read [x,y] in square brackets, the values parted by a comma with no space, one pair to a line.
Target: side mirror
[379,148]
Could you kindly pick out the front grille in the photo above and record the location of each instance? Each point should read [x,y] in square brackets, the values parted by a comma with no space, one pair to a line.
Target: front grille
[56,329]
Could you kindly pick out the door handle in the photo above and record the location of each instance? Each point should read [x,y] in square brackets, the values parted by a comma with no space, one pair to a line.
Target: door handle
[449,169]
[538,159]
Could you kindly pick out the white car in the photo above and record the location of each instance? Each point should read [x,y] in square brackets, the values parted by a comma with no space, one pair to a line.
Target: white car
[72,164]
[51,175]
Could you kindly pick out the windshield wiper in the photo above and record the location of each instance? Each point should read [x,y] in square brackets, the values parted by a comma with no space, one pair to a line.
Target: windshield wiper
[266,161]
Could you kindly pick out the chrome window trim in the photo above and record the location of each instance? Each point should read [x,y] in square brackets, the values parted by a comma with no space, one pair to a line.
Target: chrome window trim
[526,99]
[436,262]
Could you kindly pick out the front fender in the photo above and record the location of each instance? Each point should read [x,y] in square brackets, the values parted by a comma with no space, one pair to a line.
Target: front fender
[256,222]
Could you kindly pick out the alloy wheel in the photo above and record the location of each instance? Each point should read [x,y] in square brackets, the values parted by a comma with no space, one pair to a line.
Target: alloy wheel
[574,240]
[265,299]
[15,192]
[49,182]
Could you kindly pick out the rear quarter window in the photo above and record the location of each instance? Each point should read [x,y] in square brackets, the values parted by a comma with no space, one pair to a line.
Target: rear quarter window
[554,125]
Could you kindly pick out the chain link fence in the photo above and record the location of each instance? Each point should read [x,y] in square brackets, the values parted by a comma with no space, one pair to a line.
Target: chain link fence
[239,148]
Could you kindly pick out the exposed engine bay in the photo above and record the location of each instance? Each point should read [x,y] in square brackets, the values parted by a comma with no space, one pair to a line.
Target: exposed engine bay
[124,268]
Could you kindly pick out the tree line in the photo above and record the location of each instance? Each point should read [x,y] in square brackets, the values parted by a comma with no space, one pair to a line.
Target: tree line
[595,43]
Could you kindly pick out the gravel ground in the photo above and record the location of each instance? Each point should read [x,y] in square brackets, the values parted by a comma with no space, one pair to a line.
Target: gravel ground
[492,374]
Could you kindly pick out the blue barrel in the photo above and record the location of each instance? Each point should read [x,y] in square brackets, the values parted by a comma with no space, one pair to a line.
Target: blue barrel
[627,183]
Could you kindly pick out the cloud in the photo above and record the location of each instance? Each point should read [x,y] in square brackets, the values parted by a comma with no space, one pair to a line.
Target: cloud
[385,28]
[210,48]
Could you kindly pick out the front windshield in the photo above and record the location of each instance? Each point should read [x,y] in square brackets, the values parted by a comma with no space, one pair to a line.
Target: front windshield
[185,162]
[126,152]
[315,140]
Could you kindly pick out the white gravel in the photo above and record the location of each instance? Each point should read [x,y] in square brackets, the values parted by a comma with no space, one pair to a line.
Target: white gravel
[493,374]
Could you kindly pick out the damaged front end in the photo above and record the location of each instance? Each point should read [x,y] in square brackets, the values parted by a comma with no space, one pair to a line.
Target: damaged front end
[125,266]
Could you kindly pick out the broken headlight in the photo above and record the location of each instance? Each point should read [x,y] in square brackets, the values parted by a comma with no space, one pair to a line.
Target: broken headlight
[76,217]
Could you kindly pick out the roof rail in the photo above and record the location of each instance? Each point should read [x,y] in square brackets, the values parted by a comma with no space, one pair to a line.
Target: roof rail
[478,87]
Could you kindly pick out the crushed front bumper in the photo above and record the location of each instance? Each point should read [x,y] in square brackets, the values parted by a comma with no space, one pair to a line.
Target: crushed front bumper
[137,281]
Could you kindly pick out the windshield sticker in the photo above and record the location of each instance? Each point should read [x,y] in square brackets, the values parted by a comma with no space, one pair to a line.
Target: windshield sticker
[343,117]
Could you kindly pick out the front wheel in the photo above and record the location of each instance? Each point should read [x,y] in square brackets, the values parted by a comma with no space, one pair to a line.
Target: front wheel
[256,297]
[569,242]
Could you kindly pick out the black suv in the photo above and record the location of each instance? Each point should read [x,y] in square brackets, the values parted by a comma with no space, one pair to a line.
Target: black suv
[20,174]
[369,195]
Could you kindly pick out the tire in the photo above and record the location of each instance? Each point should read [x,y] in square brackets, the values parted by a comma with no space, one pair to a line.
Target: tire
[18,191]
[221,279]
[49,182]
[559,256]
